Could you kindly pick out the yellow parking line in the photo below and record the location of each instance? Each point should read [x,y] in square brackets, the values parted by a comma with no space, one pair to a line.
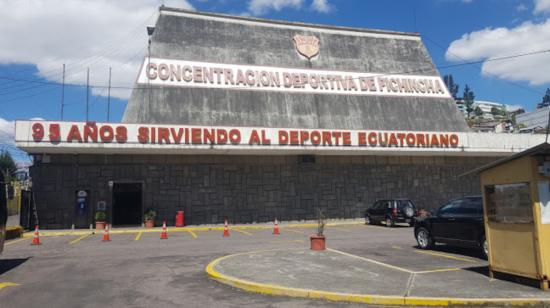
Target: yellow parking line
[438,270]
[78,239]
[444,255]
[14,241]
[7,284]
[396,247]
[242,231]
[192,233]
[138,236]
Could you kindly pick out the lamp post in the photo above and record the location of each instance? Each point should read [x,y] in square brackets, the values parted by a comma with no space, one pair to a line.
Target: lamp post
[150,31]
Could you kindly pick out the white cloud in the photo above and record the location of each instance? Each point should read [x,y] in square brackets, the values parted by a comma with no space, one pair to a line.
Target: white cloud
[80,33]
[542,6]
[261,7]
[500,42]
[7,131]
[521,7]
[321,6]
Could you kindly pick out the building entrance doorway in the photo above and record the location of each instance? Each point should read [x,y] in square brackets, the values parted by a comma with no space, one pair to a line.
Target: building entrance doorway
[127,204]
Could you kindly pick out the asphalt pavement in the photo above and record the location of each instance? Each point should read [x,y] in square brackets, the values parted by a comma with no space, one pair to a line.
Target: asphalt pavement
[137,269]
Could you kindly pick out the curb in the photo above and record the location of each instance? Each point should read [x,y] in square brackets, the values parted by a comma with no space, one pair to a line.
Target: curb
[270,289]
[14,232]
[189,229]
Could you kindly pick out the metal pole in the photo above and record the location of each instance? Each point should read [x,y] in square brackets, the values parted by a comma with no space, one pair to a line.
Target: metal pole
[547,125]
[87,93]
[109,97]
[63,92]
[148,80]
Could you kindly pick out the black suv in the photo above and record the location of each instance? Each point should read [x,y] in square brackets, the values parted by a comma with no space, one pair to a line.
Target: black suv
[391,211]
[459,223]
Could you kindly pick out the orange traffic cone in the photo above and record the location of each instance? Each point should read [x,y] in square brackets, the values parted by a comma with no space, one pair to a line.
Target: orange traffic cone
[164,235]
[36,238]
[106,237]
[276,228]
[225,229]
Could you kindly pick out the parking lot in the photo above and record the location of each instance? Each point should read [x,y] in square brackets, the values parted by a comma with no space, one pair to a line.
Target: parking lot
[138,269]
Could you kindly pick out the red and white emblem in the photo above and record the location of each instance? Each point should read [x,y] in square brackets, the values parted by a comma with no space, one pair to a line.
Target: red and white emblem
[307,45]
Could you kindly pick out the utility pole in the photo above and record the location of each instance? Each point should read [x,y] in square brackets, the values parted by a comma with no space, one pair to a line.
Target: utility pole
[87,93]
[63,92]
[109,97]
[150,31]
[548,125]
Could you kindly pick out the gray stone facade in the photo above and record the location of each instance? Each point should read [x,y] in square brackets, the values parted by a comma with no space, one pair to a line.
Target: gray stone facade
[218,38]
[246,189]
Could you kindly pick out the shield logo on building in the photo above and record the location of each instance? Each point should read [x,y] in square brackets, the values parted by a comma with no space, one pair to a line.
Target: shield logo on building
[307,45]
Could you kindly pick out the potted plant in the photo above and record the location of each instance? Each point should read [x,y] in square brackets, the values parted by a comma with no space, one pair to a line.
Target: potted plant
[318,240]
[150,218]
[100,220]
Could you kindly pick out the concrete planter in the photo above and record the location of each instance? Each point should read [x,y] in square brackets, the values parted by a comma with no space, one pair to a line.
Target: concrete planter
[317,242]
[99,225]
[149,224]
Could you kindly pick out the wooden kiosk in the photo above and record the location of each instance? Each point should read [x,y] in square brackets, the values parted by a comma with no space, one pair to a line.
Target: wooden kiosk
[516,204]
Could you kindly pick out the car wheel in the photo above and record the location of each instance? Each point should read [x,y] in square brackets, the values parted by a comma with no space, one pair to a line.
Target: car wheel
[368,221]
[484,247]
[423,238]
[389,222]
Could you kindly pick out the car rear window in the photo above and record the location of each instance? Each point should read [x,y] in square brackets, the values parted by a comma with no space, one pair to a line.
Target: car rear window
[403,203]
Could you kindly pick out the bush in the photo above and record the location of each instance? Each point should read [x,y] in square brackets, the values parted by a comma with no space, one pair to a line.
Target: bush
[100,216]
[150,214]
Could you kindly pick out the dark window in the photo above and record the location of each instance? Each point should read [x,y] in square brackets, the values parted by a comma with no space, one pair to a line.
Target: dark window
[471,207]
[374,205]
[450,209]
[404,203]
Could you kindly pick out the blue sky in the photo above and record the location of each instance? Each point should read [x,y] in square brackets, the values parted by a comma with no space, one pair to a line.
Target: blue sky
[100,34]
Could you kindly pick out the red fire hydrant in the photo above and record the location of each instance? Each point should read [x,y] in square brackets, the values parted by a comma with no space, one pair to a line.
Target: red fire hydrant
[179,219]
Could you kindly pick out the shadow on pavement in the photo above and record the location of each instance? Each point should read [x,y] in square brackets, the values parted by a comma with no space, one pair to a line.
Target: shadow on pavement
[9,264]
[457,250]
[484,270]
[396,226]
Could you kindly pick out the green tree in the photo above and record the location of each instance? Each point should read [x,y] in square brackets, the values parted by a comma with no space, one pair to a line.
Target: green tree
[7,166]
[545,100]
[451,86]
[498,111]
[468,97]
[478,112]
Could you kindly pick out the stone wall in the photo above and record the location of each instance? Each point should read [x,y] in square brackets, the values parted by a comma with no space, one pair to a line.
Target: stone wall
[246,189]
[227,39]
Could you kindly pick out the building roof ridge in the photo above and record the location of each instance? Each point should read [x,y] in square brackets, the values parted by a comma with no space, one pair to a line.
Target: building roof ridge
[288,23]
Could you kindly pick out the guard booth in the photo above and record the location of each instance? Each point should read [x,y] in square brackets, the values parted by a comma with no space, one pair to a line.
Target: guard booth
[516,204]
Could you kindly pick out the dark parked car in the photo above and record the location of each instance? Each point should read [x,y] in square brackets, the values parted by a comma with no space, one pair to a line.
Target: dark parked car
[3,215]
[459,223]
[391,211]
